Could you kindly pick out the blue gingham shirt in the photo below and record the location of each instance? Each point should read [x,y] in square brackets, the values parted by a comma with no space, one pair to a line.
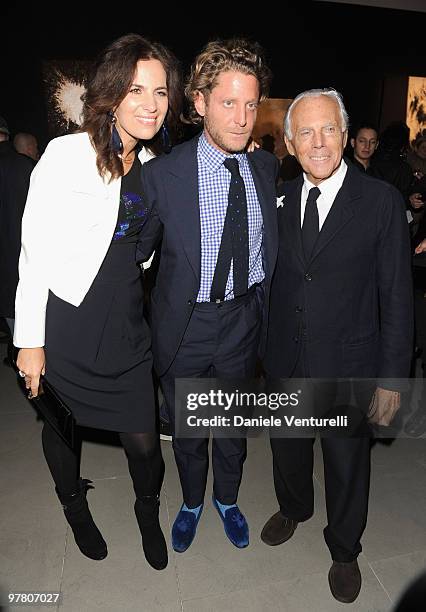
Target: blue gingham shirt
[213,187]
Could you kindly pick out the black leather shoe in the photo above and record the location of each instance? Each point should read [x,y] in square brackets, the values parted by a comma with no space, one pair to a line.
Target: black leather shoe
[278,529]
[345,581]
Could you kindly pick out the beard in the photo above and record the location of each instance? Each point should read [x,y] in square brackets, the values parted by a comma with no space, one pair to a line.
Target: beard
[223,141]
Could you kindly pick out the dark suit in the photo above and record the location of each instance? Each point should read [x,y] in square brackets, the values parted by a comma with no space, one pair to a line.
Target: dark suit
[182,330]
[15,170]
[345,313]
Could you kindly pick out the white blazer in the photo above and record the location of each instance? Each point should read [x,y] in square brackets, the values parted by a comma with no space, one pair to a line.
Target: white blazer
[68,224]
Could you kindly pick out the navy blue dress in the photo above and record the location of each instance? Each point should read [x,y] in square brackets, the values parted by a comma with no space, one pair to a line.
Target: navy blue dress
[98,355]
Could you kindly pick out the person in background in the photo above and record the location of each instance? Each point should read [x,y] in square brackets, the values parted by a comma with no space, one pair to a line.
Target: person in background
[26,144]
[15,171]
[415,425]
[390,164]
[416,155]
[364,142]
[79,302]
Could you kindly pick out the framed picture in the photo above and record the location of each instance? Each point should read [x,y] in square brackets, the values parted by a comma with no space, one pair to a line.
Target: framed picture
[64,85]
[269,128]
[416,106]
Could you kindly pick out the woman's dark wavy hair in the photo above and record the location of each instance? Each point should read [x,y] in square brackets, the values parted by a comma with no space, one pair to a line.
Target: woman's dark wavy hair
[112,78]
[220,56]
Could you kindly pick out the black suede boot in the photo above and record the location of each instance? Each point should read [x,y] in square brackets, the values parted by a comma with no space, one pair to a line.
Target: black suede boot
[87,536]
[153,542]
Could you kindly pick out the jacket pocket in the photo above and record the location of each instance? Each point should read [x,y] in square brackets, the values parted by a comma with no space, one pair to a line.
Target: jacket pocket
[360,357]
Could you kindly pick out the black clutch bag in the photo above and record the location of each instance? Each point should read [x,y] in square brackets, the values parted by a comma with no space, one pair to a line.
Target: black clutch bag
[51,407]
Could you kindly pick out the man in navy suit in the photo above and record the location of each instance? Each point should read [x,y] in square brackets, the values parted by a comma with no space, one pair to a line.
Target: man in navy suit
[215,267]
[340,308]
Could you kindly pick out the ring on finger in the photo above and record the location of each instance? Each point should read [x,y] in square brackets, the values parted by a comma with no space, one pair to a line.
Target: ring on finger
[21,374]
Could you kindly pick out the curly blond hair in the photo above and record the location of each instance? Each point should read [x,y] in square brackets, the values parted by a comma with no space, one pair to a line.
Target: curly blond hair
[219,56]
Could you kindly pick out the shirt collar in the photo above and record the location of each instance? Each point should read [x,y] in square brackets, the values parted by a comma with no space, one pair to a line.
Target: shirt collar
[330,186]
[212,158]
[145,155]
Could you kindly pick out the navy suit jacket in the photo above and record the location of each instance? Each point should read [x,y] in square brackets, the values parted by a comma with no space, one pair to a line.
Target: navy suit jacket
[170,184]
[350,305]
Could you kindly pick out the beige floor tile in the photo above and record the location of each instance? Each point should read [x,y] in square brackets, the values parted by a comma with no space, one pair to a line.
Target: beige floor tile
[102,456]
[306,592]
[11,398]
[397,517]
[32,539]
[396,573]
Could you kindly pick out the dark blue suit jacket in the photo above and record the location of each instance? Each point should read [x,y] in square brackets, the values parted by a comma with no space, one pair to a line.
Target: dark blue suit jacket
[170,184]
[351,303]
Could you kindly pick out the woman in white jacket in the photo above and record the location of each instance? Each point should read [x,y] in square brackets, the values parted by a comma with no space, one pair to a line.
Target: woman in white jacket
[79,303]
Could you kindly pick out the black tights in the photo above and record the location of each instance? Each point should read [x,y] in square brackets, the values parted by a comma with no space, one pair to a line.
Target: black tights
[143,453]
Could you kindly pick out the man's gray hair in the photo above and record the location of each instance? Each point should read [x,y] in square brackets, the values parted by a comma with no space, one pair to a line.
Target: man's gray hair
[316,93]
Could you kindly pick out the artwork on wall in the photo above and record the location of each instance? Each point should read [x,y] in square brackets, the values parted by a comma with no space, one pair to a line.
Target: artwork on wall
[416,106]
[269,128]
[64,85]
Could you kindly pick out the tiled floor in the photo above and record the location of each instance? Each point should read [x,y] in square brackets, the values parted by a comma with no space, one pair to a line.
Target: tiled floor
[37,551]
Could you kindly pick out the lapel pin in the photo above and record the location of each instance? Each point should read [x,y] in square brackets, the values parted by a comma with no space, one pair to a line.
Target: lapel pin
[280,201]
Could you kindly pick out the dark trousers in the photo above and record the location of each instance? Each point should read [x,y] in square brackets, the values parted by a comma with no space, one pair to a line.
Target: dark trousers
[347,478]
[221,341]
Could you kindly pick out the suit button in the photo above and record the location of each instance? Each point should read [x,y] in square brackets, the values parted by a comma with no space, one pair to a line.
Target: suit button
[299,309]
[308,277]
[296,339]
[189,302]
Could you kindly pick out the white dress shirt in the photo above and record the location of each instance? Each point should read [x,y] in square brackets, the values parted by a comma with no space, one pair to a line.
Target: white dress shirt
[329,189]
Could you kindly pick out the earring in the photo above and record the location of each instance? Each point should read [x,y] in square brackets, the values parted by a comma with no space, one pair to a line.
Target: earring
[166,138]
[116,143]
